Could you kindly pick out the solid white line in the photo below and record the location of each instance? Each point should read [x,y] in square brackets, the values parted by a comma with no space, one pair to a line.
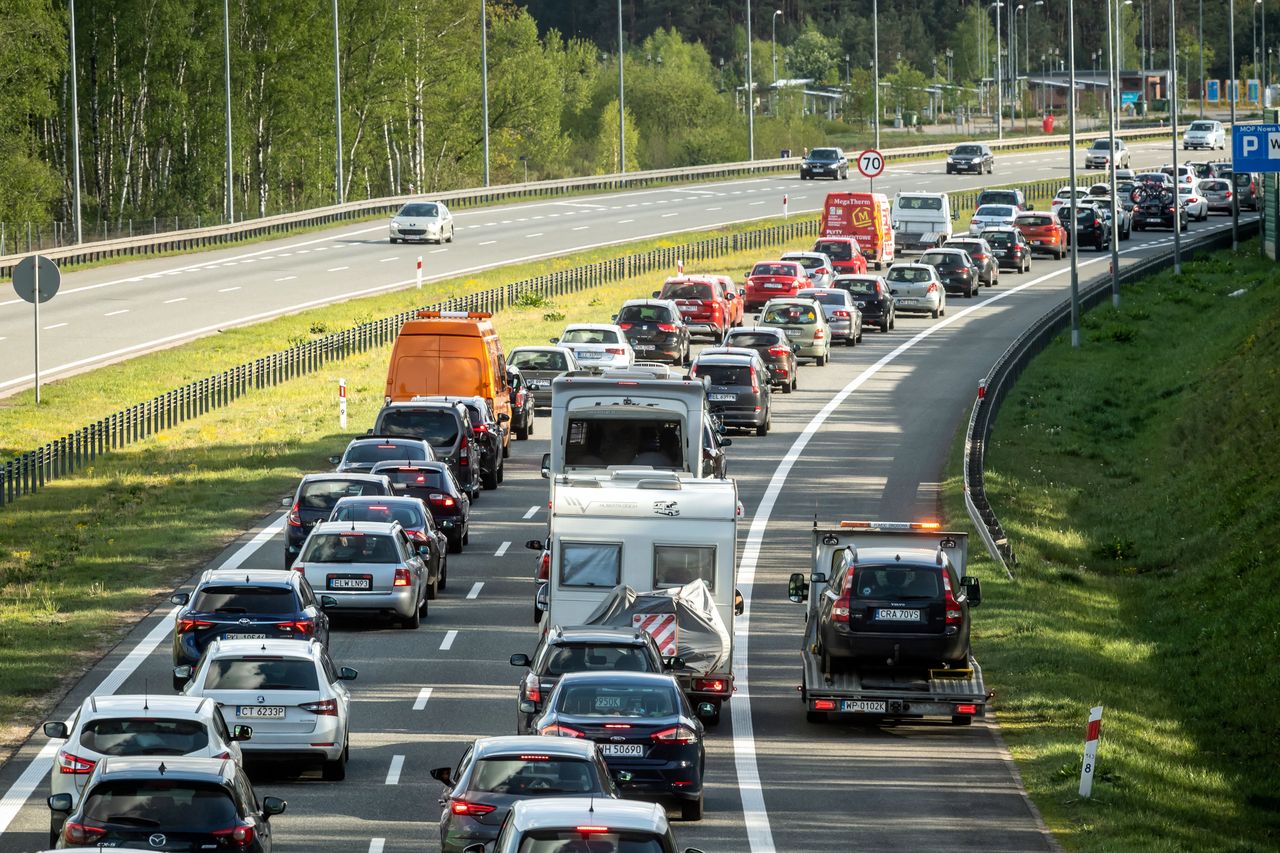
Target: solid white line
[229,289]
[502,549]
[533,510]
[715,208]
[384,260]
[421,702]
[337,269]
[447,642]
[376,845]
[179,299]
[625,221]
[54,326]
[535,234]
[393,772]
[475,590]
[754,203]
[114,313]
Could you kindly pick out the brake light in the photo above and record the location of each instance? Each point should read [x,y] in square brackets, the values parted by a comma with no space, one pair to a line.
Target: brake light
[185,625]
[980,256]
[532,688]
[711,685]
[483,429]
[240,835]
[675,734]
[590,829]
[666,327]
[693,370]
[1228,193]
[755,382]
[519,398]
[954,614]
[323,708]
[615,350]
[624,326]
[437,499]
[300,569]
[303,627]
[74,765]
[293,519]
[417,535]
[402,578]
[464,451]
[1097,222]
[78,834]
[933,288]
[817,334]
[840,313]
[556,730]
[824,704]
[779,349]
[820,271]
[544,567]
[472,809]
[966,709]
[224,754]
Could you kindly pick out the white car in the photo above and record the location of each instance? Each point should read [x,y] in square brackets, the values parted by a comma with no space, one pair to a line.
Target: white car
[992,216]
[1196,204]
[817,264]
[290,692]
[1205,133]
[597,345]
[1186,174]
[422,221]
[128,725]
[1066,194]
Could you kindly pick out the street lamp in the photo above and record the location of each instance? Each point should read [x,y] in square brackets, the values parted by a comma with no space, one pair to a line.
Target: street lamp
[1113,116]
[999,76]
[1013,61]
[1231,99]
[484,82]
[75,124]
[773,38]
[226,70]
[875,64]
[337,99]
[622,125]
[1071,164]
[751,87]
[1173,135]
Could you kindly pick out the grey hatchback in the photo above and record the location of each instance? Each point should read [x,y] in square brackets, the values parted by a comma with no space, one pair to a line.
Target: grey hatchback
[738,387]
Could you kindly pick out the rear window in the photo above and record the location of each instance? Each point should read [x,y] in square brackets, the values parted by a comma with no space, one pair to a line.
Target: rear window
[405,513]
[1034,221]
[262,674]
[323,494]
[995,210]
[616,699]
[809,263]
[791,315]
[836,250]
[646,313]
[143,804]
[919,203]
[350,548]
[725,374]
[144,736]
[572,841]
[997,197]
[245,599]
[1216,186]
[416,478]
[702,292]
[896,582]
[997,238]
[370,452]
[534,360]
[827,297]
[439,427]
[939,259]
[533,776]
[590,336]
[776,269]
[856,286]
[754,340]
[598,442]
[909,274]
[584,657]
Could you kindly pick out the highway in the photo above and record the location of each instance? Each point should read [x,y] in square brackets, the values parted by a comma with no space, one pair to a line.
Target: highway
[116,311]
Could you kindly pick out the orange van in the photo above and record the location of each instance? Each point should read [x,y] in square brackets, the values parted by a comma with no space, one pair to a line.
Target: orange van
[451,353]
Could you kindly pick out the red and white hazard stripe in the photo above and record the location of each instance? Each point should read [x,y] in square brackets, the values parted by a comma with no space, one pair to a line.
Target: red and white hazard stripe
[1092,732]
[662,627]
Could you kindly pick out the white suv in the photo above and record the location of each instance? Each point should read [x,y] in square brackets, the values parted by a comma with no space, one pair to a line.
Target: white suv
[290,692]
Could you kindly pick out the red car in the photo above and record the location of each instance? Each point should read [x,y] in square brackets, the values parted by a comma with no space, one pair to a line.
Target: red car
[733,298]
[702,307]
[845,254]
[773,280]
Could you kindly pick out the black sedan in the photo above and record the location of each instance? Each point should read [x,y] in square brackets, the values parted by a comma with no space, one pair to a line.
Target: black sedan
[873,298]
[1011,248]
[655,329]
[971,157]
[646,730]
[958,272]
[777,352]
[521,404]
[824,163]
[434,484]
[982,255]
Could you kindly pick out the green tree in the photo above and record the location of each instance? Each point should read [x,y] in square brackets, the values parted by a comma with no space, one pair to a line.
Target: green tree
[907,87]
[32,56]
[812,56]
[606,147]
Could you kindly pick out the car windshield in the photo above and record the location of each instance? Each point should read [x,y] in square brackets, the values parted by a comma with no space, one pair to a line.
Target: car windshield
[438,427]
[573,841]
[644,314]
[1124,188]
[790,315]
[754,340]
[896,582]
[836,250]
[725,374]
[245,599]
[323,494]
[350,547]
[161,803]
[856,286]
[1201,126]
[1101,144]
[261,673]
[1034,221]
[909,274]
[967,149]
[590,336]
[419,209]
[995,211]
[369,452]
[915,202]
[776,269]
[416,478]
[533,775]
[583,657]
[539,360]
[144,736]
[618,699]
[824,154]
[809,263]
[702,292]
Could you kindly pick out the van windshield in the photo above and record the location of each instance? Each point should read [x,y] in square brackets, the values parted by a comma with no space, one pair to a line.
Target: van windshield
[438,426]
[598,442]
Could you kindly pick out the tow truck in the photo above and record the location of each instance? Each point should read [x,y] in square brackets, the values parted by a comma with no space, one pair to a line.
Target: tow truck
[884,691]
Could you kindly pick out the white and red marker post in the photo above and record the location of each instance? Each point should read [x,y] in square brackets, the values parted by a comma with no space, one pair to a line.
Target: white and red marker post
[784,207]
[342,404]
[1091,734]
[679,266]
[419,272]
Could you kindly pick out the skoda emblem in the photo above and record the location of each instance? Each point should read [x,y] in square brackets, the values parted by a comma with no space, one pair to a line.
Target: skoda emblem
[157,840]
[262,699]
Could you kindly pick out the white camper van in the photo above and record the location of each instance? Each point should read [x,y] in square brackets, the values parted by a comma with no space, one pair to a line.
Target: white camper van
[921,221]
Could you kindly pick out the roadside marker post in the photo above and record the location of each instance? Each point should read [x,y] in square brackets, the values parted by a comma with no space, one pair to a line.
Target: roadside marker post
[419,272]
[784,207]
[1092,732]
[679,266]
[342,404]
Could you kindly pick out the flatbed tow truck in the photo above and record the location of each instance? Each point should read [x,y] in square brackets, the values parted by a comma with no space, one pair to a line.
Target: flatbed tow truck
[882,692]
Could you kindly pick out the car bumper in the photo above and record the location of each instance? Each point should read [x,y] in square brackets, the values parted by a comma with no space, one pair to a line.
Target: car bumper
[293,746]
[681,778]
[461,832]
[924,306]
[902,647]
[965,167]
[403,601]
[957,285]
[841,329]
[820,172]
[1014,263]
[739,417]
[657,352]
[1048,247]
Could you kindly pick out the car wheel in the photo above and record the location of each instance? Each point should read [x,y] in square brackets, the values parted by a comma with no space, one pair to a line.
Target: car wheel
[691,809]
[450,240]
[968,293]
[414,621]
[433,590]
[861,331]
[336,771]
[466,535]
[885,325]
[392,240]
[490,479]
[933,314]
[444,571]
[795,383]
[522,431]
[55,831]
[948,172]
[852,340]
[763,429]
[786,388]
[455,544]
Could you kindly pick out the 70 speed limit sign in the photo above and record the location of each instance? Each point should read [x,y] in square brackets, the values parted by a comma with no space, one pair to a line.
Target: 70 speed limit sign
[871,163]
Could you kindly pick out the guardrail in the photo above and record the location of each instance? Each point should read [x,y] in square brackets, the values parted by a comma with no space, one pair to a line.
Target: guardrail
[215,235]
[1009,366]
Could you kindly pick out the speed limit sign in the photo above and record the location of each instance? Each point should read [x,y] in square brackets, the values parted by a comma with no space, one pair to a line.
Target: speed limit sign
[871,163]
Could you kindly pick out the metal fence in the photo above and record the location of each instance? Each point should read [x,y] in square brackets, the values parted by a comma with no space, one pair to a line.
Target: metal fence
[30,471]
[1009,366]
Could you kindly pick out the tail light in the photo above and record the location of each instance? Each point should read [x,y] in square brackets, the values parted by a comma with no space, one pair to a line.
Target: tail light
[615,350]
[710,685]
[223,755]
[980,256]
[299,627]
[818,334]
[556,730]
[676,735]
[417,535]
[240,835]
[403,578]
[755,382]
[293,519]
[779,349]
[955,615]
[79,835]
[966,709]
[693,370]
[667,327]
[463,807]
[1170,210]
[821,271]
[464,451]
[532,688]
[185,625]
[323,708]
[544,567]
[1097,222]
[74,765]
[624,326]
[840,313]
[437,499]
[481,429]
[933,288]
[520,398]
[840,610]
[300,569]
[1228,193]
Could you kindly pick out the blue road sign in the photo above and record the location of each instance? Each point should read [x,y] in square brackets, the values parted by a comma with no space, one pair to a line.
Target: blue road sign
[1255,148]
[1212,93]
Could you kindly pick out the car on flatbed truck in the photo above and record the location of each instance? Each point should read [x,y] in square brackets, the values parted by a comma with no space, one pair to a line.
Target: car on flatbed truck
[912,660]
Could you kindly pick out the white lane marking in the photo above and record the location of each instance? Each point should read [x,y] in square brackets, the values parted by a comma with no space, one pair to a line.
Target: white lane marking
[376,845]
[285,254]
[753,203]
[421,702]
[229,289]
[533,510]
[337,269]
[665,215]
[486,242]
[178,299]
[535,234]
[38,769]
[475,590]
[581,228]
[625,221]
[384,260]
[302,251]
[581,204]
[267,257]
[54,326]
[703,192]
[318,249]
[447,642]
[114,313]
[756,818]
[245,261]
[436,251]
[715,208]
[393,772]
[286,278]
[227,264]
[502,549]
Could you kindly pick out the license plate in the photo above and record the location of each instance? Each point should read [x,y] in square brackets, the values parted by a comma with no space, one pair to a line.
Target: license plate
[861,706]
[894,615]
[642,347]
[244,636]
[722,398]
[261,712]
[773,286]
[907,300]
[1039,242]
[689,309]
[792,333]
[589,355]
[538,383]
[629,750]
[350,583]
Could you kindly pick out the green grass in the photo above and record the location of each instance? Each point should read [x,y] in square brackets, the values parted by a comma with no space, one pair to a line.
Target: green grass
[1138,478]
[83,560]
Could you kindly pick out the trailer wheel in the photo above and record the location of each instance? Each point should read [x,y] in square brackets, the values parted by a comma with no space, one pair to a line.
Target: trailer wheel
[714,719]
[961,719]
[816,717]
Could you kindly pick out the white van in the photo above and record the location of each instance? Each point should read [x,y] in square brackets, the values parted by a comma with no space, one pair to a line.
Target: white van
[921,221]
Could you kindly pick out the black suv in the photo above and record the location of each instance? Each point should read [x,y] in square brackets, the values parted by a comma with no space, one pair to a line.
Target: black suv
[1158,206]
[655,329]
[585,649]
[1010,246]
[958,272]
[738,387]
[488,432]
[873,298]
[1093,227]
[434,485]
[895,606]
[776,351]
[825,163]
[169,803]
[521,404]
[980,253]
[313,500]
[445,426]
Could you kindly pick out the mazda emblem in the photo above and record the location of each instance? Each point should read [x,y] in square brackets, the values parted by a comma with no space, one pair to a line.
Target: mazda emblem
[157,840]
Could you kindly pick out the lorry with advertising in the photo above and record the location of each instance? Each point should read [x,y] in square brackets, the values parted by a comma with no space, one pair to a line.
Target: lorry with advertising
[864,216]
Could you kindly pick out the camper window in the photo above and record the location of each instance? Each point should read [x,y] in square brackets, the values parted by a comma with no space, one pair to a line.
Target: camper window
[599,442]
[677,565]
[583,564]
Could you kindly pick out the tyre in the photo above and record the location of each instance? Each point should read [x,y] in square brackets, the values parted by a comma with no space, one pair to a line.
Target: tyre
[392,240]
[850,341]
[433,590]
[489,479]
[455,543]
[522,432]
[884,326]
[502,473]
[414,621]
[822,360]
[795,383]
[934,314]
[506,450]
[763,429]
[786,388]
[466,536]
[336,771]
[861,332]
[893,322]
[691,809]
[450,240]
[968,293]
[949,171]
[444,573]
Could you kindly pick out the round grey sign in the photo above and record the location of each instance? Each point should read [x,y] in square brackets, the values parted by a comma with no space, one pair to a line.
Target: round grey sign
[24,278]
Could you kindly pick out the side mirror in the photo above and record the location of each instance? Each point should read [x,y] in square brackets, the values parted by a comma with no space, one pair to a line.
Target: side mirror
[443,775]
[241,733]
[818,577]
[424,550]
[692,850]
[656,294]
[973,589]
[503,417]
[795,348]
[286,501]
[546,466]
[327,601]
[726,442]
[346,673]
[182,673]
[1031,207]
[706,710]
[553,340]
[272,806]
[534,545]
[739,603]
[797,589]
[613,318]
[56,730]
[675,663]
[520,660]
[543,599]
[180,598]
[60,803]
[893,291]
[528,707]
[334,460]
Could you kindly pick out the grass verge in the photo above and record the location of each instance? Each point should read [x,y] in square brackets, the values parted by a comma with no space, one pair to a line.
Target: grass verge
[87,557]
[1139,480]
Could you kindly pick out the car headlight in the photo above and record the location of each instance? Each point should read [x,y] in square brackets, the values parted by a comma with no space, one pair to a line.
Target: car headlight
[395,226]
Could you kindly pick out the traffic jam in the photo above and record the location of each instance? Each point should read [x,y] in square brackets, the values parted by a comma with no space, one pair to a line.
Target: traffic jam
[634,592]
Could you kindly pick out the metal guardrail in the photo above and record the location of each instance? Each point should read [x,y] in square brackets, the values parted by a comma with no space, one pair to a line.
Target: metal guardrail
[31,471]
[193,238]
[1009,366]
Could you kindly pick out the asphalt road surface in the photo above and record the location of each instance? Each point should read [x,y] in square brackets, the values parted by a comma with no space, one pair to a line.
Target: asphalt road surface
[117,311]
[865,437]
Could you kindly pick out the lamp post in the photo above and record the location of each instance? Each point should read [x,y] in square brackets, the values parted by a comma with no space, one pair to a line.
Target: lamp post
[1113,86]
[226,70]
[622,125]
[1044,76]
[1013,62]
[337,101]
[1232,92]
[875,64]
[1254,18]
[751,88]
[1173,138]
[75,125]
[999,76]
[773,39]
[1071,161]
[1201,58]
[484,83]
